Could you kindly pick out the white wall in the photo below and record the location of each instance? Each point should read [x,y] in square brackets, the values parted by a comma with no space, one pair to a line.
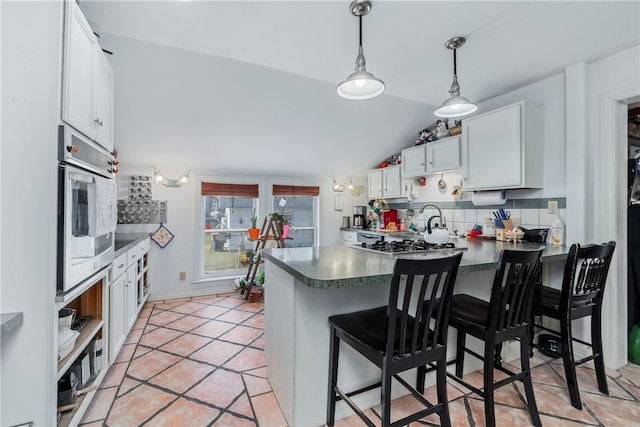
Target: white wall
[31,51]
[182,254]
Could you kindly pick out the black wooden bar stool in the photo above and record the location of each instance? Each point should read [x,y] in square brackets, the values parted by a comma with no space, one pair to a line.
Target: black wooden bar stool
[585,276]
[398,337]
[505,317]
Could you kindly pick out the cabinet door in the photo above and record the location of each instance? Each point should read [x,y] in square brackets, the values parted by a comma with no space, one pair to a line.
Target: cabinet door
[103,99]
[117,331]
[443,155]
[77,80]
[392,181]
[414,161]
[375,184]
[491,150]
[131,291]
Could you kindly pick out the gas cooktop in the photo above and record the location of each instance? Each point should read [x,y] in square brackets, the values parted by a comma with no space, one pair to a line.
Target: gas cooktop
[404,247]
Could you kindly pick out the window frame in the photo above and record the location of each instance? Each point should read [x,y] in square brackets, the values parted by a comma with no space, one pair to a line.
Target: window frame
[265,203]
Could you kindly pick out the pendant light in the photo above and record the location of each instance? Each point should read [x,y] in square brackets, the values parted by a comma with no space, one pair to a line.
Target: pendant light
[455,105]
[360,84]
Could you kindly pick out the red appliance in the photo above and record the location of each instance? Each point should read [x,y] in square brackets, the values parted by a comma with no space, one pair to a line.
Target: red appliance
[390,215]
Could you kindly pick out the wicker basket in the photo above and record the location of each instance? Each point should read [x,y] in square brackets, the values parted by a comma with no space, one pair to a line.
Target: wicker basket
[456,130]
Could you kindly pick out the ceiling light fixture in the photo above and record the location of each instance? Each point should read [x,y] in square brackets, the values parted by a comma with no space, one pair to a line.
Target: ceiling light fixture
[171,183]
[360,84]
[455,105]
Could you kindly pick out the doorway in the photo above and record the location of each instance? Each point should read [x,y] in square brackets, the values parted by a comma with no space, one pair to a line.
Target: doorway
[633,216]
[613,192]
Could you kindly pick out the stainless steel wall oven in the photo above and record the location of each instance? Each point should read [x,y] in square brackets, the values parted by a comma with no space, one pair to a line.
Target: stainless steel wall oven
[87,214]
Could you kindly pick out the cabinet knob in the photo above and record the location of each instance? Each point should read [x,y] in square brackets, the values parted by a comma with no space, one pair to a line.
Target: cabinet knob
[121,265]
[464,179]
[98,121]
[431,163]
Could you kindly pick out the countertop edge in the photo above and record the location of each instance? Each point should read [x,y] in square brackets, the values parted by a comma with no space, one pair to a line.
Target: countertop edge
[10,321]
[125,241]
[347,282]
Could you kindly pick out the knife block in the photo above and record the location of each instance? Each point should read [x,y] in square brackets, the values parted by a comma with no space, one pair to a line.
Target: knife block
[500,235]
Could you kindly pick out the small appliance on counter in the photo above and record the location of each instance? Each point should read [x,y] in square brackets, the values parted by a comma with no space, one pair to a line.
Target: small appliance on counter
[359,213]
[388,216]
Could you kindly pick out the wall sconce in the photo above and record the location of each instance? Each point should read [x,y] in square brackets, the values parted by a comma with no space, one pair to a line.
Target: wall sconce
[171,183]
[355,190]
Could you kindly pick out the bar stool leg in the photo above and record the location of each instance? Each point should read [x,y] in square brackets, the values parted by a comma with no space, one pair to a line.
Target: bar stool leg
[528,385]
[441,373]
[596,343]
[569,363]
[385,394]
[460,353]
[334,350]
[489,409]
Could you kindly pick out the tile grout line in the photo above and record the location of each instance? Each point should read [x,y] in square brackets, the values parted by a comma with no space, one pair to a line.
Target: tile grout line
[177,396]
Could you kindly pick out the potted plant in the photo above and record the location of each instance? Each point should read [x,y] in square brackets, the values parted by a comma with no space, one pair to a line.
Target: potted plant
[254,231]
[285,226]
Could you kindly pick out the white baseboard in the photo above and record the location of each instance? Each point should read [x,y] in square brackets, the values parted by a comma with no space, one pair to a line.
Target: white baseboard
[190,293]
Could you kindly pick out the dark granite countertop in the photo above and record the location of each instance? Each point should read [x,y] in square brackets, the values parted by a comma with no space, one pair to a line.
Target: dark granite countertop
[329,267]
[125,241]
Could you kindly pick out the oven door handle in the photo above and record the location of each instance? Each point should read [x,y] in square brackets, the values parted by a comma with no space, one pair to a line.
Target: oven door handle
[82,178]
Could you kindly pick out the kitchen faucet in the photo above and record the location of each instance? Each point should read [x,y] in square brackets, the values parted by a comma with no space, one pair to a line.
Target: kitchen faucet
[443,222]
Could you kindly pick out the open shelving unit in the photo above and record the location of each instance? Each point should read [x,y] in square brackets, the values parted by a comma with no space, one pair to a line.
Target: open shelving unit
[88,299]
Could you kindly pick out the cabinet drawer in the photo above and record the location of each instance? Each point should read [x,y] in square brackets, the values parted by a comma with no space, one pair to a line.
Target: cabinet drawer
[119,266]
[349,237]
[133,255]
[142,247]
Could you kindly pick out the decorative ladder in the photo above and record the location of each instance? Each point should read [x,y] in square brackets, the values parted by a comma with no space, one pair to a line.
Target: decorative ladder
[270,231]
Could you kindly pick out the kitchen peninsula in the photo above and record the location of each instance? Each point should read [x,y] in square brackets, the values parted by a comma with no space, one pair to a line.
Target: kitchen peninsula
[304,286]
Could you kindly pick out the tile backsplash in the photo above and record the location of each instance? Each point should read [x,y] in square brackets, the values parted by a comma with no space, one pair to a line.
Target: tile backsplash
[461,216]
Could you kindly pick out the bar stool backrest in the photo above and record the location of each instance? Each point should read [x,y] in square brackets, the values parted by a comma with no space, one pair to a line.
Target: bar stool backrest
[585,275]
[428,284]
[512,292]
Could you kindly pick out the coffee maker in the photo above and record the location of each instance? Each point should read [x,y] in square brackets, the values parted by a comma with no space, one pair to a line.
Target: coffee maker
[359,215]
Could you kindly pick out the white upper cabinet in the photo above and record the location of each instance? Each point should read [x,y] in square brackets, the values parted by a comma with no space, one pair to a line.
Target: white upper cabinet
[431,157]
[414,161]
[79,41]
[503,149]
[443,155]
[87,83]
[385,182]
[103,100]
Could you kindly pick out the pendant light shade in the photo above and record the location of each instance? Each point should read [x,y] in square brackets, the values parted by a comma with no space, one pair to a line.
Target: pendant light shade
[360,84]
[455,105]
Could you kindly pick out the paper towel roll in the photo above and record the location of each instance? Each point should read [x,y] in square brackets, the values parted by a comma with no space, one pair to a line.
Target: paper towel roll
[485,198]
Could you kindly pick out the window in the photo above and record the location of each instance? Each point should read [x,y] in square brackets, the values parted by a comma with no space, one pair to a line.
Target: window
[226,214]
[299,206]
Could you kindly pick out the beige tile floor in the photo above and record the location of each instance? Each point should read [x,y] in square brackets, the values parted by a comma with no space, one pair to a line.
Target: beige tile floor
[200,362]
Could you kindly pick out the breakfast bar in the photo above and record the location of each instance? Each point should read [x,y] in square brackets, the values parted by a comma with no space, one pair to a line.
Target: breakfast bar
[304,286]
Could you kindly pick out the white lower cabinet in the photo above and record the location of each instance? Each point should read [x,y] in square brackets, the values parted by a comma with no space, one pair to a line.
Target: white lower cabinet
[128,292]
[130,297]
[349,237]
[117,329]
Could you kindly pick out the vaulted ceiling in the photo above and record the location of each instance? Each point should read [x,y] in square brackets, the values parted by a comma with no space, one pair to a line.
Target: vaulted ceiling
[199,82]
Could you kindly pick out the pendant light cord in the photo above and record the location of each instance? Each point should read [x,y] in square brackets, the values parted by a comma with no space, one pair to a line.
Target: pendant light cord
[455,73]
[360,18]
